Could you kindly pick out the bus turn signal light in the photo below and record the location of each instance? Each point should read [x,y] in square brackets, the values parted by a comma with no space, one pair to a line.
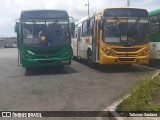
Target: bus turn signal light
[65,61]
[145,52]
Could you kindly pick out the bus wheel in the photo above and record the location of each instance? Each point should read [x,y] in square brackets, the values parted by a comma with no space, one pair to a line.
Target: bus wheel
[90,62]
[28,68]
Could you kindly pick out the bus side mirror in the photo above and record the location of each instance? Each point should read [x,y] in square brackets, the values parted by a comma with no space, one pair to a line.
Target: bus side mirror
[16,27]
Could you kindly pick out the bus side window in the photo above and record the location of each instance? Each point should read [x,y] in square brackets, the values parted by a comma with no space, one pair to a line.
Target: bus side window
[84,28]
[76,31]
[91,28]
[79,34]
[155,24]
[158,20]
[88,27]
[98,30]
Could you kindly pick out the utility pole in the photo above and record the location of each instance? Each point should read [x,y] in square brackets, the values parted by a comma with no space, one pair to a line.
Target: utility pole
[128,3]
[88,7]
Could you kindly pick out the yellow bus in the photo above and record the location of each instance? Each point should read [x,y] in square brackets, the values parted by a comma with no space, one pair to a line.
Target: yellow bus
[113,36]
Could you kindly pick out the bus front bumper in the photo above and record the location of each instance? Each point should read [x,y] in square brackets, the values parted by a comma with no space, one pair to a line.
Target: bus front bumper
[45,62]
[104,59]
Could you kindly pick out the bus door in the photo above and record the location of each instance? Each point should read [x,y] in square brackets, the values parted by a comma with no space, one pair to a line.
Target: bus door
[97,39]
[79,42]
[93,28]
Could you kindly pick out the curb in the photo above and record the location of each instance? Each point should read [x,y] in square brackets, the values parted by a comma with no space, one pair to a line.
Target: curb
[111,109]
[155,74]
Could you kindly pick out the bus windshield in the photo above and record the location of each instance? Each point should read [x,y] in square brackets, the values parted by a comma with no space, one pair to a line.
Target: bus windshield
[132,32]
[45,33]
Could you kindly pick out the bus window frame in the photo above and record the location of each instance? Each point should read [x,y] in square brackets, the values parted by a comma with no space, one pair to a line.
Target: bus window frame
[84,28]
[76,32]
[91,29]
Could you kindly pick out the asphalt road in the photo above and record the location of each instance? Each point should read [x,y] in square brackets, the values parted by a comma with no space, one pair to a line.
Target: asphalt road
[76,88]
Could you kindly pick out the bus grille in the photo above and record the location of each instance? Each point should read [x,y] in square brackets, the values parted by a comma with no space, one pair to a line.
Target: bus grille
[126,59]
[46,61]
[126,55]
[47,52]
[126,49]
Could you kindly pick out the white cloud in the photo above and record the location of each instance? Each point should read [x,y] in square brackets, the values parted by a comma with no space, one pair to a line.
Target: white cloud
[10,9]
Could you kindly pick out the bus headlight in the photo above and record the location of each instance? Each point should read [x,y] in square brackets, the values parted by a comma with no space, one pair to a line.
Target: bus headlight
[107,52]
[65,54]
[143,60]
[27,55]
[30,52]
[65,61]
[145,52]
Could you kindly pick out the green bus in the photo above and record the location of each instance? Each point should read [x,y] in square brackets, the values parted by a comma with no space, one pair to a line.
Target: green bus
[154,17]
[43,39]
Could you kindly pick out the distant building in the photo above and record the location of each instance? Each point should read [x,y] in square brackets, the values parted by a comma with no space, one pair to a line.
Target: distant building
[7,40]
[11,40]
[2,38]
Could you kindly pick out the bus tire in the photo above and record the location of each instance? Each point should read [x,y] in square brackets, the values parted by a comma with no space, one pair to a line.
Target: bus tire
[28,68]
[89,59]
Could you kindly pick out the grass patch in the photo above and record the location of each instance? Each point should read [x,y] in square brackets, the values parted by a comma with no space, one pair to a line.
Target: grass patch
[142,96]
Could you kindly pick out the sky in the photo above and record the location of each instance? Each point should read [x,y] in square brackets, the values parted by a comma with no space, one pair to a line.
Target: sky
[10,9]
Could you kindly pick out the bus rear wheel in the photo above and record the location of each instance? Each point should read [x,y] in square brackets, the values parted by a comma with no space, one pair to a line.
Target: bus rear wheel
[90,62]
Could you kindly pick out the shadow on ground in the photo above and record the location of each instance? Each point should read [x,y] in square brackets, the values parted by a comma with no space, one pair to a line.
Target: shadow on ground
[154,64]
[50,71]
[117,68]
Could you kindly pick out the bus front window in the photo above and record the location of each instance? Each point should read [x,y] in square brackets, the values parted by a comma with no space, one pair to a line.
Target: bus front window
[132,32]
[45,34]
[115,32]
[138,32]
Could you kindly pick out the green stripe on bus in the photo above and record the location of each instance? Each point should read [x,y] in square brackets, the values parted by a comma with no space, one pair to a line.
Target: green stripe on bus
[155,38]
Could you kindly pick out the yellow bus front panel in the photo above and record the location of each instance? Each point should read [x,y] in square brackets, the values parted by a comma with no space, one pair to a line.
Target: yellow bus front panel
[124,55]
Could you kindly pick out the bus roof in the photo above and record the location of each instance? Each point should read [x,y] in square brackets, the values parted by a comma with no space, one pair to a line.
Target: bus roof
[102,10]
[43,14]
[154,12]
[123,12]
[43,10]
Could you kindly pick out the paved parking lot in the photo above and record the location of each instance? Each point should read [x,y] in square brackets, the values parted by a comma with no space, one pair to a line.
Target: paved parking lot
[76,88]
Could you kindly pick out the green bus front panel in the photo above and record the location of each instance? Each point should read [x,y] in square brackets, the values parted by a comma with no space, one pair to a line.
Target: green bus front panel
[44,58]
